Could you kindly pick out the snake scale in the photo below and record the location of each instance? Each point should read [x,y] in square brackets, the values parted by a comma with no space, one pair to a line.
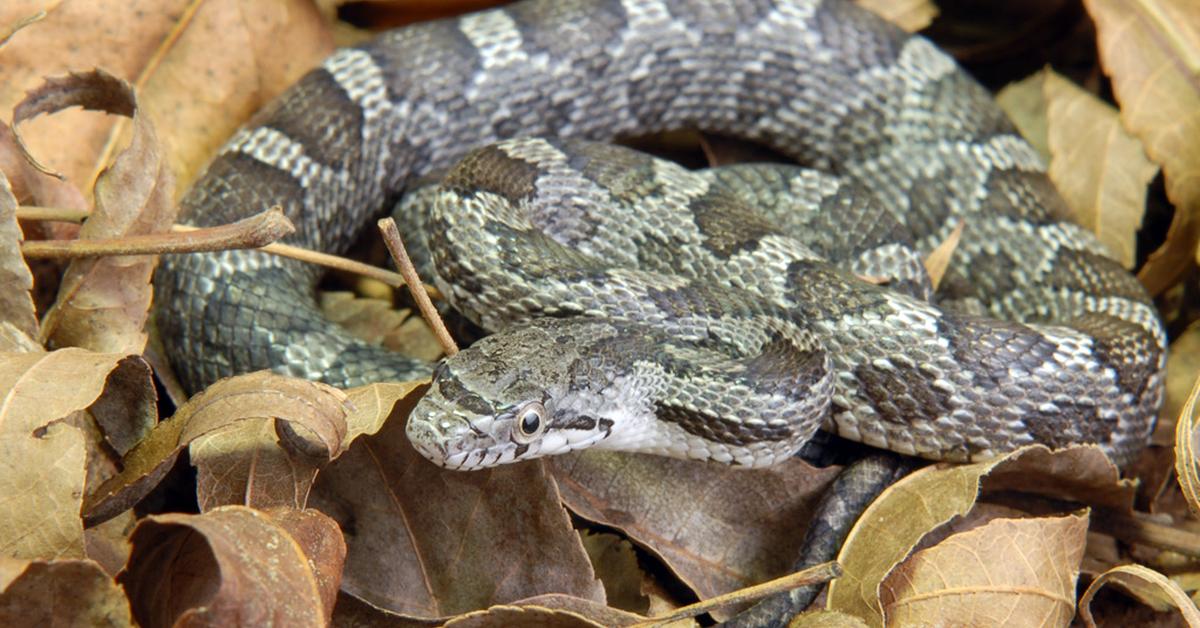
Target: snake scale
[644,307]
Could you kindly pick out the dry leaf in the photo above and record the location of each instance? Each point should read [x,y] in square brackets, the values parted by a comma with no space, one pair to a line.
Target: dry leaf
[1099,168]
[1005,572]
[938,259]
[1187,449]
[41,484]
[428,542]
[616,565]
[550,610]
[904,513]
[1149,586]
[201,69]
[1150,48]
[911,15]
[16,301]
[826,619]
[321,540]
[315,410]
[1101,171]
[60,593]
[103,303]
[373,404]
[718,528]
[375,321]
[1183,368]
[232,566]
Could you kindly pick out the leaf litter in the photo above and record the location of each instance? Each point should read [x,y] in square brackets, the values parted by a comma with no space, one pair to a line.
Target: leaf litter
[307,504]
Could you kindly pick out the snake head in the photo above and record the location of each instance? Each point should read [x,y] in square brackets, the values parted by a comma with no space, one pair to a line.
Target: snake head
[506,398]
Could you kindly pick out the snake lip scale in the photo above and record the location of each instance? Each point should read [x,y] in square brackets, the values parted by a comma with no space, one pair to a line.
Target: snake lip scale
[643,307]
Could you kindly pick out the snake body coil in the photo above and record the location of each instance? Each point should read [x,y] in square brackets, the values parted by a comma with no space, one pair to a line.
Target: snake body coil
[823,82]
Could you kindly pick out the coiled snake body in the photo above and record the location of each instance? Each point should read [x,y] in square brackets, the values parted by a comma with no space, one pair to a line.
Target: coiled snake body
[1037,336]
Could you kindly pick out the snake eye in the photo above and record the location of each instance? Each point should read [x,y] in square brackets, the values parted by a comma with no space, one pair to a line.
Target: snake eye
[531,421]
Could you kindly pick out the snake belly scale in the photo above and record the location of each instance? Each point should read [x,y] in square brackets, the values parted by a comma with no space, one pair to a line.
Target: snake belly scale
[1036,335]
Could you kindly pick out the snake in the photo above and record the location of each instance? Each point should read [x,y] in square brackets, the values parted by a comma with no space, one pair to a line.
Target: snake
[636,305]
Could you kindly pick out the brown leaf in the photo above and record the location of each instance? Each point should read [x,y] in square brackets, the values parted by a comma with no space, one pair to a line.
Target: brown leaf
[1148,586]
[915,506]
[320,538]
[551,610]
[201,69]
[60,593]
[42,482]
[375,321]
[1187,449]
[1150,49]
[231,566]
[16,300]
[316,410]
[718,528]
[427,542]
[1099,168]
[103,303]
[911,15]
[826,619]
[1007,571]
[616,565]
[37,389]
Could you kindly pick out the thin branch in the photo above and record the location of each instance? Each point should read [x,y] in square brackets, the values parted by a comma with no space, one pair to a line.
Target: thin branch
[395,280]
[391,237]
[816,574]
[248,233]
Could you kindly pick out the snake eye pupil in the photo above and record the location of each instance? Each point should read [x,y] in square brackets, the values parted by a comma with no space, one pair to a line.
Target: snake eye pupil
[530,422]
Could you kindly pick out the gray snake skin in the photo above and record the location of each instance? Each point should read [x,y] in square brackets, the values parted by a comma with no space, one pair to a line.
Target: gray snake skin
[1036,335]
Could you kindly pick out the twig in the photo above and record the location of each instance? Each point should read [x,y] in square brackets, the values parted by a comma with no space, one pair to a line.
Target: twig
[813,575]
[1141,529]
[252,232]
[391,237]
[395,280]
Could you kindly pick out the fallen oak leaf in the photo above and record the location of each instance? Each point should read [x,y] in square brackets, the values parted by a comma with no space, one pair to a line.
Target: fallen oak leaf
[231,566]
[1148,586]
[1006,571]
[316,409]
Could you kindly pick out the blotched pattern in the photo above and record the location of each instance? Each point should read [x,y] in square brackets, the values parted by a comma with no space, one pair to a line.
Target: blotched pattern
[823,82]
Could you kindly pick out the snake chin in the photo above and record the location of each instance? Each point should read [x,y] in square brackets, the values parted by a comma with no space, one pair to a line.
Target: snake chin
[507,398]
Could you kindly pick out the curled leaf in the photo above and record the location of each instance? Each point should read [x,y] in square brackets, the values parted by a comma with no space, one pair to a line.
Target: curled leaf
[60,593]
[1148,586]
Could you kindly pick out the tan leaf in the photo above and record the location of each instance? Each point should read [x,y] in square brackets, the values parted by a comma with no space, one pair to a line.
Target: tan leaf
[1149,586]
[16,302]
[913,507]
[826,619]
[551,610]
[1025,103]
[375,321]
[201,69]
[1187,449]
[938,259]
[103,303]
[41,484]
[373,404]
[315,410]
[1150,49]
[718,528]
[616,565]
[432,543]
[37,389]
[1007,571]
[911,15]
[232,566]
[1100,169]
[60,593]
